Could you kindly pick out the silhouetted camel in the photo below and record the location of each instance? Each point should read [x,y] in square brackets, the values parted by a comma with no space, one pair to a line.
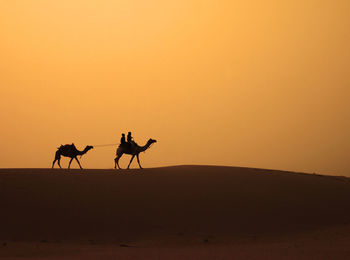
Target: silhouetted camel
[69,150]
[133,149]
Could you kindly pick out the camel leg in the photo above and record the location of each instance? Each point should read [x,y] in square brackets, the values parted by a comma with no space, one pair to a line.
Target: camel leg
[138,160]
[57,158]
[70,162]
[116,161]
[78,163]
[59,162]
[132,158]
[53,163]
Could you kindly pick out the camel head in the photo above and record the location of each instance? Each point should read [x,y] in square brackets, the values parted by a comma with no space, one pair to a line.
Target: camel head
[88,147]
[151,141]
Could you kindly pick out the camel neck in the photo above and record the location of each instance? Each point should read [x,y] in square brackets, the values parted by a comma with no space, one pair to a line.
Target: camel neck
[82,152]
[145,147]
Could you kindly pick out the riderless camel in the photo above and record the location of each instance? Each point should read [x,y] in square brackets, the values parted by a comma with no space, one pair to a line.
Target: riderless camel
[69,150]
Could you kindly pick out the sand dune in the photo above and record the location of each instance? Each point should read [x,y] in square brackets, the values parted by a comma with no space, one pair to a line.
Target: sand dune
[196,210]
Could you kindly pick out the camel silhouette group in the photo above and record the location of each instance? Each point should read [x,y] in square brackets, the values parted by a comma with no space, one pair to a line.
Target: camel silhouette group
[133,149]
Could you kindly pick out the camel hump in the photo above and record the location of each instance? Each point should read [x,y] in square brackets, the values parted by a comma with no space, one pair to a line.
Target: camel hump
[66,147]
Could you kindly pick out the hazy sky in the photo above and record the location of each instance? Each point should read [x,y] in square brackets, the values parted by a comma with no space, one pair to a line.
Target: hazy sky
[246,83]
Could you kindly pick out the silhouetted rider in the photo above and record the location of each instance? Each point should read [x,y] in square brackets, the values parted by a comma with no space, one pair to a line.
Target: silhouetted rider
[129,138]
[122,140]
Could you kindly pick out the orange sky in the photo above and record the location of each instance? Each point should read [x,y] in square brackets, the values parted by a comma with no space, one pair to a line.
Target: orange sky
[245,83]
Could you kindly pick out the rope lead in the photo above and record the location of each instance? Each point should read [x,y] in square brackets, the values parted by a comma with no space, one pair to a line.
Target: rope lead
[101,145]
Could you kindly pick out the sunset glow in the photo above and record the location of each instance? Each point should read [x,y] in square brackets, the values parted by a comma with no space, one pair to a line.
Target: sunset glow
[244,83]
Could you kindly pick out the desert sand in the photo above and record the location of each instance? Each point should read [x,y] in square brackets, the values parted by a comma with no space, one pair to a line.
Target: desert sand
[180,212]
